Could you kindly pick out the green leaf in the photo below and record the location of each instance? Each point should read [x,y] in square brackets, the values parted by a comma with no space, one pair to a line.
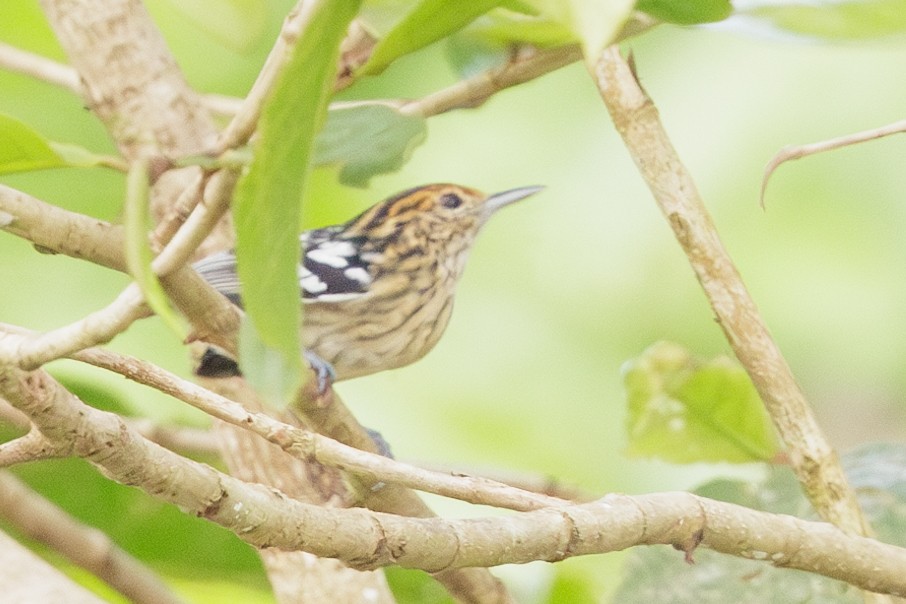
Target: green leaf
[659,574]
[684,410]
[487,42]
[686,12]
[836,20]
[595,23]
[428,22]
[367,139]
[267,206]
[22,149]
[138,252]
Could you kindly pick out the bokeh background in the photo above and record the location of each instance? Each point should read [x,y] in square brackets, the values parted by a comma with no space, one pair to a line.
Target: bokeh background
[560,291]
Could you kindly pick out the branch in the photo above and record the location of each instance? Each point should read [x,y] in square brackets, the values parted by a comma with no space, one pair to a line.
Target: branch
[101,326]
[115,61]
[473,92]
[243,125]
[84,546]
[304,444]
[33,446]
[365,539]
[800,151]
[38,67]
[79,236]
[179,439]
[811,456]
[44,583]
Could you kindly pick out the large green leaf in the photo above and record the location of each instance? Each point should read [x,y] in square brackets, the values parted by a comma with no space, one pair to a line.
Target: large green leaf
[367,139]
[685,410]
[833,19]
[267,206]
[22,149]
[660,574]
[428,22]
[687,12]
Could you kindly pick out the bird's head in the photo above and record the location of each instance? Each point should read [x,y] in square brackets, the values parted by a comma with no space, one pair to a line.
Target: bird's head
[438,213]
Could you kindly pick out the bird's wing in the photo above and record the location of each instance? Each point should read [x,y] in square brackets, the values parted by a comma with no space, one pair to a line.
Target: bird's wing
[220,271]
[332,269]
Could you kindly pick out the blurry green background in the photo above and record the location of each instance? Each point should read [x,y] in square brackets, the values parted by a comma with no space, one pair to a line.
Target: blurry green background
[560,290]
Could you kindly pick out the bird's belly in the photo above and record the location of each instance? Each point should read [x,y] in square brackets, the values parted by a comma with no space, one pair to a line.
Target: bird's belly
[363,337]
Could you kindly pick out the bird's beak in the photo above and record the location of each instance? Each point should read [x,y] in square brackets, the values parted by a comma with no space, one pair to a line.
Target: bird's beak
[498,200]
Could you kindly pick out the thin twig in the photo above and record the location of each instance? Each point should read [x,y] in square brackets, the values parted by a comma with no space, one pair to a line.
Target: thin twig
[476,90]
[243,124]
[180,439]
[52,228]
[33,446]
[799,151]
[304,444]
[38,67]
[101,326]
[812,458]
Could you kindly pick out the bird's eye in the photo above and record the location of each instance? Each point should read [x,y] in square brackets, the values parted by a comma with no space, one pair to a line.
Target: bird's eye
[450,200]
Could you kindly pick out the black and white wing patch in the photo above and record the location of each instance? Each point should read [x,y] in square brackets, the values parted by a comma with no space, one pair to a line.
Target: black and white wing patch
[332,268]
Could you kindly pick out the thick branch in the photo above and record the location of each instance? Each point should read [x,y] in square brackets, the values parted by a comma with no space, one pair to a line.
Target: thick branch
[365,539]
[130,81]
[814,461]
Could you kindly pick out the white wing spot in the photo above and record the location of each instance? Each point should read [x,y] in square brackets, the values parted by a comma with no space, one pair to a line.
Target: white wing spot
[332,253]
[357,273]
[312,284]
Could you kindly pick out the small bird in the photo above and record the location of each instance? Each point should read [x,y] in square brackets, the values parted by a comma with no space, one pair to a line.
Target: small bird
[377,291]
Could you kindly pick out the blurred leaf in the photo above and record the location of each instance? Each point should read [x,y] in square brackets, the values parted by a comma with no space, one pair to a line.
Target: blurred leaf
[428,22]
[594,22]
[833,19]
[267,206]
[488,41]
[367,139]
[415,587]
[138,251]
[571,588]
[470,54]
[659,574]
[505,28]
[237,24]
[686,12]
[684,410]
[24,149]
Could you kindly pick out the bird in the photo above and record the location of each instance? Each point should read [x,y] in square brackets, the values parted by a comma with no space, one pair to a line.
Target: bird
[378,291]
